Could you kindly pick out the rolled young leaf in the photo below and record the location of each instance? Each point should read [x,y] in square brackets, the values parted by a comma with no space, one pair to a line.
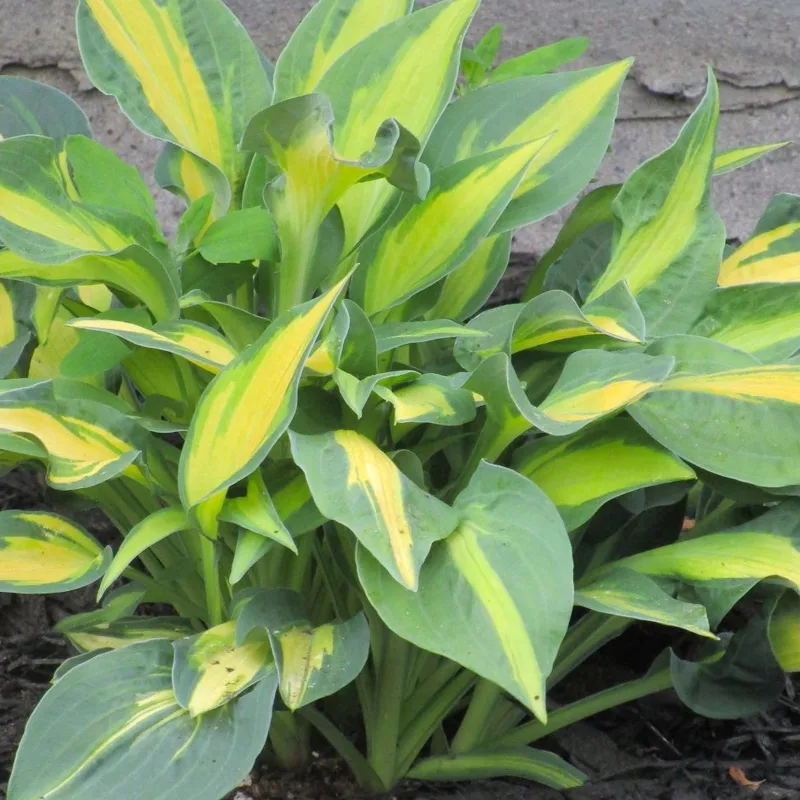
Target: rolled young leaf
[503,578]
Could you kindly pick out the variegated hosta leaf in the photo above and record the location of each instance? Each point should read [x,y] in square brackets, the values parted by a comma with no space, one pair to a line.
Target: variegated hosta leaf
[86,442]
[148,747]
[593,384]
[32,107]
[193,341]
[400,334]
[354,483]
[552,321]
[737,157]
[761,319]
[468,287]
[185,72]
[623,592]
[724,411]
[296,136]
[41,553]
[435,399]
[575,110]
[669,240]
[249,404]
[356,393]
[118,603]
[784,631]
[772,255]
[150,531]
[241,327]
[16,301]
[211,668]
[503,579]
[423,241]
[541,60]
[327,32]
[763,548]
[313,661]
[406,71]
[125,631]
[349,346]
[580,473]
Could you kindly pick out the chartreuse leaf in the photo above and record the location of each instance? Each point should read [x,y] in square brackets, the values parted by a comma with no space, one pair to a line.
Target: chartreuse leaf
[469,286]
[502,578]
[515,762]
[185,72]
[32,107]
[593,384]
[124,631]
[327,32]
[436,399]
[42,553]
[784,631]
[669,240]
[424,241]
[354,483]
[580,473]
[551,321]
[725,412]
[16,301]
[241,327]
[130,738]
[244,235]
[87,443]
[313,661]
[256,512]
[736,157]
[211,668]
[296,136]
[191,340]
[250,403]
[772,255]
[406,71]
[151,530]
[573,110]
[623,592]
[761,319]
[541,60]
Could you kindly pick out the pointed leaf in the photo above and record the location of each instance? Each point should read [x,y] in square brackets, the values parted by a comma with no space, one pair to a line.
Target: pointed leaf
[541,60]
[32,107]
[125,631]
[737,157]
[434,399]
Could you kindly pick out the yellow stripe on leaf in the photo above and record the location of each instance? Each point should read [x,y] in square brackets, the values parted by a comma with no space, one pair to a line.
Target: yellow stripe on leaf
[590,403]
[754,262]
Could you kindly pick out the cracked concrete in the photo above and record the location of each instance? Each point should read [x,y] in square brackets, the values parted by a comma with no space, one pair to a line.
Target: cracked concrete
[753,46]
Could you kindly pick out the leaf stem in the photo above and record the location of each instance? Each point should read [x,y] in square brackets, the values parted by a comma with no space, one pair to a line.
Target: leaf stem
[473,726]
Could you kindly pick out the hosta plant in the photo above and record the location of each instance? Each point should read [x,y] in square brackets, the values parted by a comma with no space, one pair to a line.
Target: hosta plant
[380,517]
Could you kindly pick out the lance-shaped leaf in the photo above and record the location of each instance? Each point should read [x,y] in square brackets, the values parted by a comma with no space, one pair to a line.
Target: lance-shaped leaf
[551,321]
[356,484]
[468,287]
[150,531]
[327,32]
[212,668]
[592,385]
[574,110]
[191,340]
[772,255]
[406,71]
[540,60]
[86,442]
[32,107]
[16,302]
[118,603]
[148,747]
[313,661]
[669,240]
[296,136]
[784,631]
[623,592]
[737,157]
[761,319]
[436,399]
[185,72]
[725,412]
[124,631]
[241,327]
[503,579]
[393,335]
[41,553]
[256,512]
[580,473]
[250,403]
[423,241]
